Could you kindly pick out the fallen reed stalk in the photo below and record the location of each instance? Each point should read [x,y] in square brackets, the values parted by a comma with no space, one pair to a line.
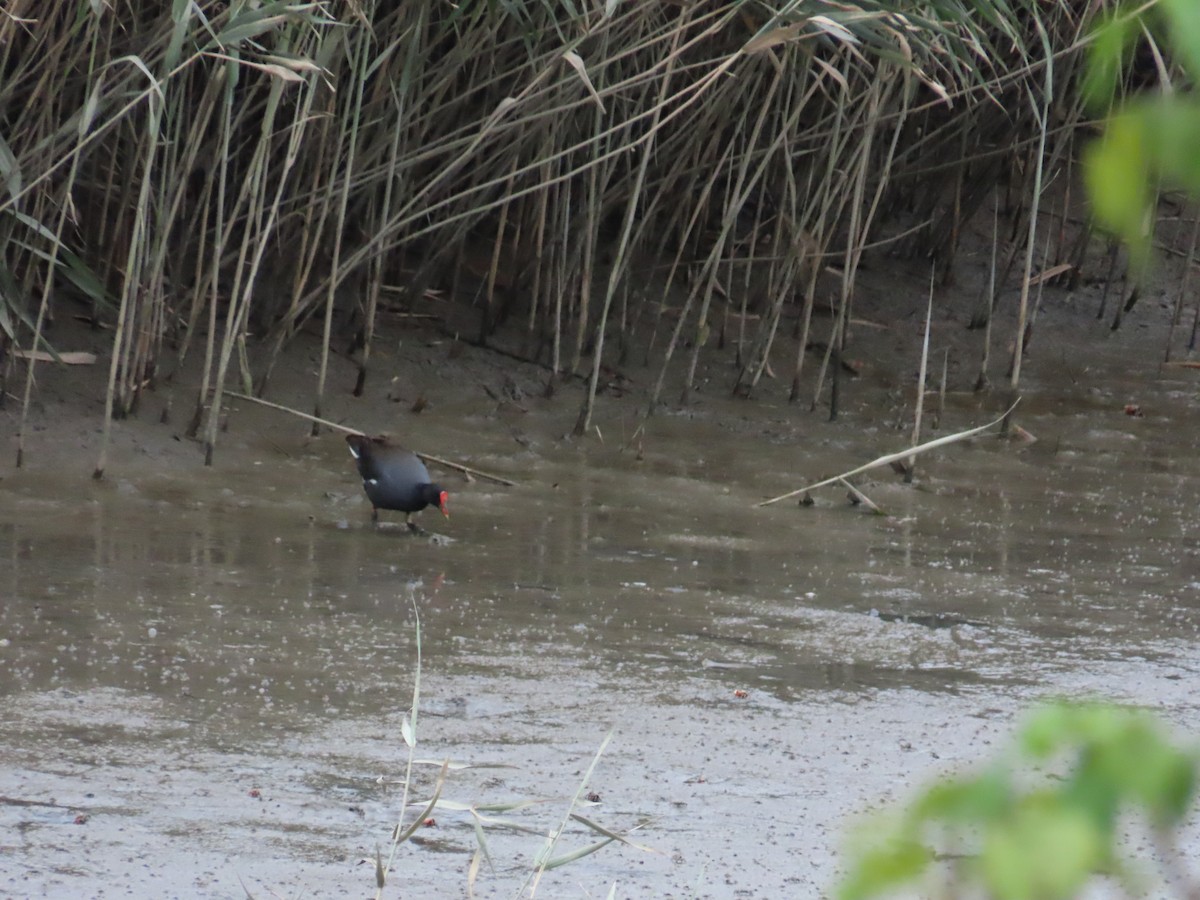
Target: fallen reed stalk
[345,429]
[894,457]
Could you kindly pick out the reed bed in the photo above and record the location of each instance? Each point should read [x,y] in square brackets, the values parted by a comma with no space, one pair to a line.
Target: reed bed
[212,177]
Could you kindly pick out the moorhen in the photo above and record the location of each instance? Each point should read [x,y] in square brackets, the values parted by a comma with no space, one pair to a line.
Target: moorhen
[394,478]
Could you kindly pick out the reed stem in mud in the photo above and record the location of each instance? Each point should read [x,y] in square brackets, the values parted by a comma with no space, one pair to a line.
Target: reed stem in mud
[1043,121]
[922,376]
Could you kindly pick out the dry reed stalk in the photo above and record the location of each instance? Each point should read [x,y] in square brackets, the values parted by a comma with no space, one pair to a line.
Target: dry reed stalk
[692,293]
[499,244]
[862,161]
[360,61]
[540,282]
[56,246]
[1184,283]
[345,429]
[910,464]
[744,180]
[818,240]
[399,95]
[981,381]
[942,386]
[1043,117]
[587,240]
[468,112]
[617,270]
[119,370]
[857,497]
[790,248]
[890,458]
[834,186]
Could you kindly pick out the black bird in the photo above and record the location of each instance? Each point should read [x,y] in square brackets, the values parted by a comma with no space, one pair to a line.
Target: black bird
[394,478]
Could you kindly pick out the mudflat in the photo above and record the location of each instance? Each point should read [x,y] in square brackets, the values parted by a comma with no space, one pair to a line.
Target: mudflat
[205,669]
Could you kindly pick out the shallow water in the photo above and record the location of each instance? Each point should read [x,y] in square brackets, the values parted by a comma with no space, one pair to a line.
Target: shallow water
[172,641]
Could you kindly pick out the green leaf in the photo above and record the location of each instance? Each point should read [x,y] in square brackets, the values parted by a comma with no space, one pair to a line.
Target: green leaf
[609,833]
[249,24]
[886,865]
[1172,128]
[1183,25]
[1045,852]
[91,106]
[1043,839]
[974,800]
[1110,50]
[13,303]
[243,28]
[573,855]
[481,841]
[181,17]
[1115,170]
[10,171]
[406,732]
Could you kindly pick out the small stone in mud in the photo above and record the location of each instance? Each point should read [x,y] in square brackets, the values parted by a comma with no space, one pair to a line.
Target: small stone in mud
[593,797]
[81,819]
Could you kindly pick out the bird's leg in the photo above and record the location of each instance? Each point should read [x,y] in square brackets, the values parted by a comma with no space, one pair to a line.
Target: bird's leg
[412,526]
[374,515]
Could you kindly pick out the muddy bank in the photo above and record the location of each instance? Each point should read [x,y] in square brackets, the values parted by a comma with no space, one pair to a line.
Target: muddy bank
[207,667]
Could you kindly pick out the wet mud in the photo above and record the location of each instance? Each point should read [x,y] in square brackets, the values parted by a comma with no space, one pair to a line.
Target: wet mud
[204,671]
